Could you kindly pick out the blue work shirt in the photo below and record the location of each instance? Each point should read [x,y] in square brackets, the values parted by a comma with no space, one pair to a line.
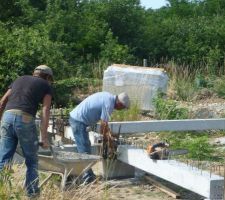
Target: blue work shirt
[98,106]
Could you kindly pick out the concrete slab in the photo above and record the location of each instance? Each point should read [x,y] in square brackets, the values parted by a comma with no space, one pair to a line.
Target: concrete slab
[157,126]
[113,169]
[189,177]
[166,125]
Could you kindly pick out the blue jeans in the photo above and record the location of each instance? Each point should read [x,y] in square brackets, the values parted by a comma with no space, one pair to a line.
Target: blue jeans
[20,127]
[82,140]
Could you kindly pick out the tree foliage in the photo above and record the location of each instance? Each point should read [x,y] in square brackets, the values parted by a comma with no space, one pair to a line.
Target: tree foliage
[72,35]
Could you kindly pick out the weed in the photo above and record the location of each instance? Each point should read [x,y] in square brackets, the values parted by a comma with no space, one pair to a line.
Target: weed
[7,187]
[185,89]
[168,109]
[199,148]
[218,87]
[5,184]
[182,82]
[197,144]
[131,114]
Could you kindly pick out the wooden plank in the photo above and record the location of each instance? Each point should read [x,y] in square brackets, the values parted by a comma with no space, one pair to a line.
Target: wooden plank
[162,187]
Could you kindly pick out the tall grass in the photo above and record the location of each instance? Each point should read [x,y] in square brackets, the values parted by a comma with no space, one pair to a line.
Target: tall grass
[97,68]
[12,182]
[185,82]
[219,86]
[182,82]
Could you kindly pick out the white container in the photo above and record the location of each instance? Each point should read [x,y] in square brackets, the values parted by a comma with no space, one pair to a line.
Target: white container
[94,137]
[140,83]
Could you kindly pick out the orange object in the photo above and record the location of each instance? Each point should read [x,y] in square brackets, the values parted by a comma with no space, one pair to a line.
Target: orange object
[150,149]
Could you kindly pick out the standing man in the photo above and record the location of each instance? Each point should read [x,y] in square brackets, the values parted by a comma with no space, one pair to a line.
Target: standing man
[98,106]
[20,104]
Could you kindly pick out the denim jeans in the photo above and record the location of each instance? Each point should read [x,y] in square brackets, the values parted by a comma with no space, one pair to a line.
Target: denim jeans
[82,140]
[19,127]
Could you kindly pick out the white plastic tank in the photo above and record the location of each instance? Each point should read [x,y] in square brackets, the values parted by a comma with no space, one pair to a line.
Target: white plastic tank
[140,83]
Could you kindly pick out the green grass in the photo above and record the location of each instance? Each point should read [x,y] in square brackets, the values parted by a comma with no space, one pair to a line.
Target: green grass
[168,109]
[197,144]
[132,114]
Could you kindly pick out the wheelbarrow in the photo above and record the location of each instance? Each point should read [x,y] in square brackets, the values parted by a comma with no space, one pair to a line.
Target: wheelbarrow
[64,163]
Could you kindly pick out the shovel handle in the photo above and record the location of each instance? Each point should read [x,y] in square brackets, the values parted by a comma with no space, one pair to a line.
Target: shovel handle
[50,147]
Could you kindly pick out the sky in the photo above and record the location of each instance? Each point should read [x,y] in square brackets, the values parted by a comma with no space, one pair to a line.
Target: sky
[154,4]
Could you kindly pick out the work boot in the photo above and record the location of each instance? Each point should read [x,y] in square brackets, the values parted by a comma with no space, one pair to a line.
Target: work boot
[88,180]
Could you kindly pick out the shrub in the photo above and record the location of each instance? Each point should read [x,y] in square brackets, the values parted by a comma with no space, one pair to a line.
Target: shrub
[218,87]
[131,114]
[199,148]
[197,144]
[63,90]
[168,109]
[182,81]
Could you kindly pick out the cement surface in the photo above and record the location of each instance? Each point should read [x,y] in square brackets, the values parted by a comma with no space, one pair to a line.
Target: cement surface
[186,176]
[166,125]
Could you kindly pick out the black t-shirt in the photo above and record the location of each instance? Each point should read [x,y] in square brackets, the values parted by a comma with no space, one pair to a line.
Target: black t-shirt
[27,93]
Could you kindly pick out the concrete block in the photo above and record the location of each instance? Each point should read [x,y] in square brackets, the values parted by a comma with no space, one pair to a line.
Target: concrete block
[189,177]
[112,169]
[127,127]
[140,83]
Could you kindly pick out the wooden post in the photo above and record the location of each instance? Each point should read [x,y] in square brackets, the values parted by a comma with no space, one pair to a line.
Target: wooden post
[162,187]
[145,64]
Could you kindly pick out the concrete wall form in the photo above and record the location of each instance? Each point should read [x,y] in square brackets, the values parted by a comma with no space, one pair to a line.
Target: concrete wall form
[186,176]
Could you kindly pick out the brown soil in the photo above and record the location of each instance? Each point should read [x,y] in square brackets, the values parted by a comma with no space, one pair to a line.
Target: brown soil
[147,191]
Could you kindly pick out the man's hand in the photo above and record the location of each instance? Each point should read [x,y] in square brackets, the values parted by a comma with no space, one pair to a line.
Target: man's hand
[3,101]
[104,128]
[44,143]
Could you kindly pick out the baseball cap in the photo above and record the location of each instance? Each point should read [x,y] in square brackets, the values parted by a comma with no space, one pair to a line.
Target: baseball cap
[124,99]
[44,69]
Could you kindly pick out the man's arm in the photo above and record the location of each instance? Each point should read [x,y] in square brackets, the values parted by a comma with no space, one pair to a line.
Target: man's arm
[3,101]
[45,120]
[105,131]
[105,117]
[104,128]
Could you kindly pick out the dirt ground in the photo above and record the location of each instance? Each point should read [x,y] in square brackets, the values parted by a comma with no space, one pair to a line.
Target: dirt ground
[134,189]
[144,190]
[118,189]
[127,189]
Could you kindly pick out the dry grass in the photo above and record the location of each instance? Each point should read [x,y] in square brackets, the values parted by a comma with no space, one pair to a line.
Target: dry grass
[181,85]
[95,191]
[11,183]
[12,188]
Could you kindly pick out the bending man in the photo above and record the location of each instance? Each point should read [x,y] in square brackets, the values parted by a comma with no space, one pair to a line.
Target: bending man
[98,106]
